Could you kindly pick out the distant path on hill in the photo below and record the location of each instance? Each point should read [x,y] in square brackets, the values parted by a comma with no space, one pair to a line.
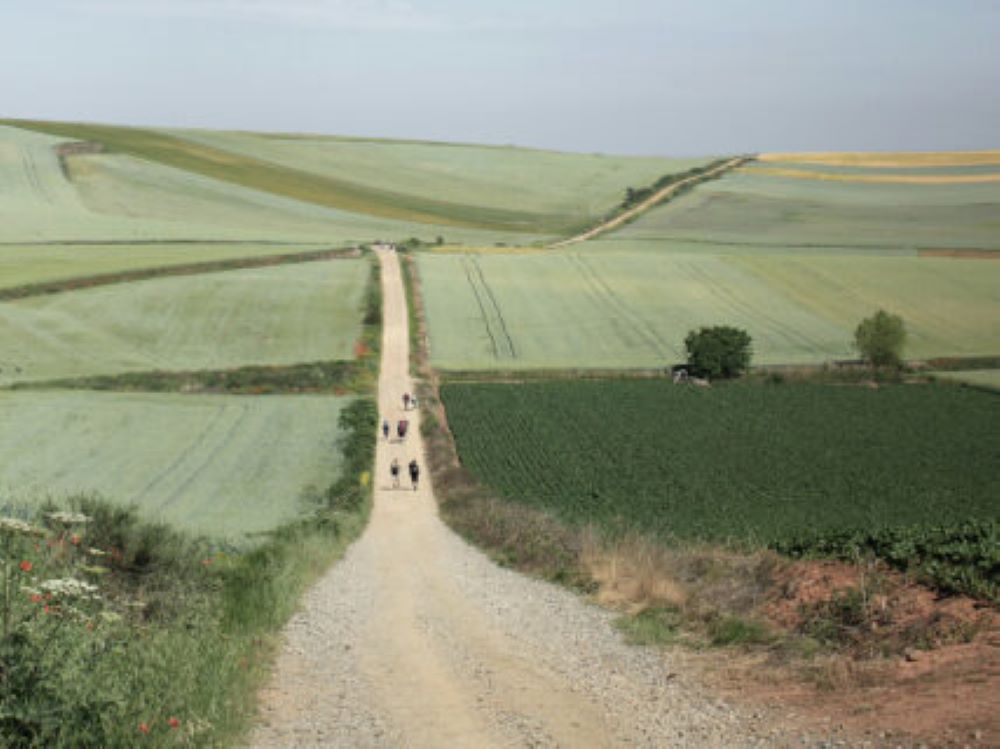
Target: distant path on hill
[415,639]
[653,200]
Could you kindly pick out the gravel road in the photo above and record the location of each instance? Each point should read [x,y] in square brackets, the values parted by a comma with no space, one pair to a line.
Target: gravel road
[416,639]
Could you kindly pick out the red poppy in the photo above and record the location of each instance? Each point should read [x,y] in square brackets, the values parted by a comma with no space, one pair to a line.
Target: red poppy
[25,566]
[37,598]
[173,722]
[143,728]
[47,609]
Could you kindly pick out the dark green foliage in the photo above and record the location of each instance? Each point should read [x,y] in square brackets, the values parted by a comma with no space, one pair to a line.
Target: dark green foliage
[718,352]
[634,196]
[959,556]
[806,468]
[311,377]
[880,339]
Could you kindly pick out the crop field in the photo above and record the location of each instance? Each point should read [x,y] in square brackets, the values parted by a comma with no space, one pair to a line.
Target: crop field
[769,209]
[764,464]
[550,189]
[596,309]
[228,466]
[889,159]
[987,378]
[274,316]
[469,193]
[120,197]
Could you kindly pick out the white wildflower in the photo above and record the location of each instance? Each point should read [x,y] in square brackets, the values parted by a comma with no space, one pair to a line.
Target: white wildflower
[68,518]
[69,587]
[13,525]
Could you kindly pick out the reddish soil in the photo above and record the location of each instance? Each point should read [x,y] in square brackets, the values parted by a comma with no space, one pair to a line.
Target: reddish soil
[939,685]
[976,254]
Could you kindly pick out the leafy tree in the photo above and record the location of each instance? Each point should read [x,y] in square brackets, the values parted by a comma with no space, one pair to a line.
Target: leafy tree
[719,351]
[880,339]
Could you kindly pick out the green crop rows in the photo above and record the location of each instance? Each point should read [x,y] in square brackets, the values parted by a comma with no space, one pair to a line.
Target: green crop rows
[799,466]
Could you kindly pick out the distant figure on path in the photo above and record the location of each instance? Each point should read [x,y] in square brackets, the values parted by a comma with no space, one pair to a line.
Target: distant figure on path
[401,428]
[414,473]
[394,471]
[413,401]
[385,429]
[406,401]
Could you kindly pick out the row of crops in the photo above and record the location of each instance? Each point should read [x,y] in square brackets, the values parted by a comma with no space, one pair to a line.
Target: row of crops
[910,473]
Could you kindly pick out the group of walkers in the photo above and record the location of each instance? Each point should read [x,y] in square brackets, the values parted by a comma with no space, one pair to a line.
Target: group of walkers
[414,473]
[402,426]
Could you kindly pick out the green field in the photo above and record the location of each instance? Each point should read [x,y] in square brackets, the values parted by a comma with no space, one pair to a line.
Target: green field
[135,196]
[749,209]
[275,315]
[221,465]
[546,190]
[593,309]
[193,184]
[988,378]
[737,461]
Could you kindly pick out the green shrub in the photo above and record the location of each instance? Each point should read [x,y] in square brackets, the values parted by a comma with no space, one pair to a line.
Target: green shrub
[718,352]
[880,339]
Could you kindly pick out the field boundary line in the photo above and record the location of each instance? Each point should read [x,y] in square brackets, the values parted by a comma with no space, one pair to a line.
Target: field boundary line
[162,271]
[653,200]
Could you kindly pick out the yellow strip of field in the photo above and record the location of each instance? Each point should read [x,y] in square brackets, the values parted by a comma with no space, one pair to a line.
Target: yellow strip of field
[882,179]
[888,159]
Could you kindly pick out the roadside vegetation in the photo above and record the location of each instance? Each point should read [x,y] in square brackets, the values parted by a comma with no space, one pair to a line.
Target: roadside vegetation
[120,633]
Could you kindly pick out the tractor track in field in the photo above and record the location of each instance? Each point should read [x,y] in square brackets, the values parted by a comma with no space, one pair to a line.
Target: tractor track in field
[416,639]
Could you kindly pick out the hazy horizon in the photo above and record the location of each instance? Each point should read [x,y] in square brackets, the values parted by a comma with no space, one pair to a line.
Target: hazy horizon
[642,77]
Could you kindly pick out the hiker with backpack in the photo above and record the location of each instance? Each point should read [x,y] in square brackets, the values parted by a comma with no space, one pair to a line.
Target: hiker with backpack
[414,473]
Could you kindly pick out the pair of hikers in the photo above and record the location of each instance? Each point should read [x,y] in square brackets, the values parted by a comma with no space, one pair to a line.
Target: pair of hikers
[401,428]
[414,473]
[409,401]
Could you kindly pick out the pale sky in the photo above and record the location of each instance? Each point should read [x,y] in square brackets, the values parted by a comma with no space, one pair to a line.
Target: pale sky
[632,76]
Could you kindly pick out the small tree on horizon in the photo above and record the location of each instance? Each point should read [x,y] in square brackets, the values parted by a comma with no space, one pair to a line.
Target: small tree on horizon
[880,339]
[721,351]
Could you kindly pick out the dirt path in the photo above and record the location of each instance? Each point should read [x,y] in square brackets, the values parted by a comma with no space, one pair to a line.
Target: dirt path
[654,199]
[416,639]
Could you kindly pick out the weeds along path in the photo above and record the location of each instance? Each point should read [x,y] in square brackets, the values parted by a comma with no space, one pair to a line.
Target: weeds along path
[415,639]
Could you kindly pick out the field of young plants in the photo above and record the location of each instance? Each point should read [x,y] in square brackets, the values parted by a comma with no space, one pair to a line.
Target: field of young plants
[792,466]
[273,315]
[761,207]
[225,466]
[195,185]
[591,308]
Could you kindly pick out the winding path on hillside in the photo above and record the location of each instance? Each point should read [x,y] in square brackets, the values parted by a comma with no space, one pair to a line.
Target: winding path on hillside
[652,201]
[415,639]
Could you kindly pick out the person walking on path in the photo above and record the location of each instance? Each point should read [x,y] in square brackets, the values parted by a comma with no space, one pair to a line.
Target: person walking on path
[406,401]
[401,429]
[414,473]
[385,429]
[394,471]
